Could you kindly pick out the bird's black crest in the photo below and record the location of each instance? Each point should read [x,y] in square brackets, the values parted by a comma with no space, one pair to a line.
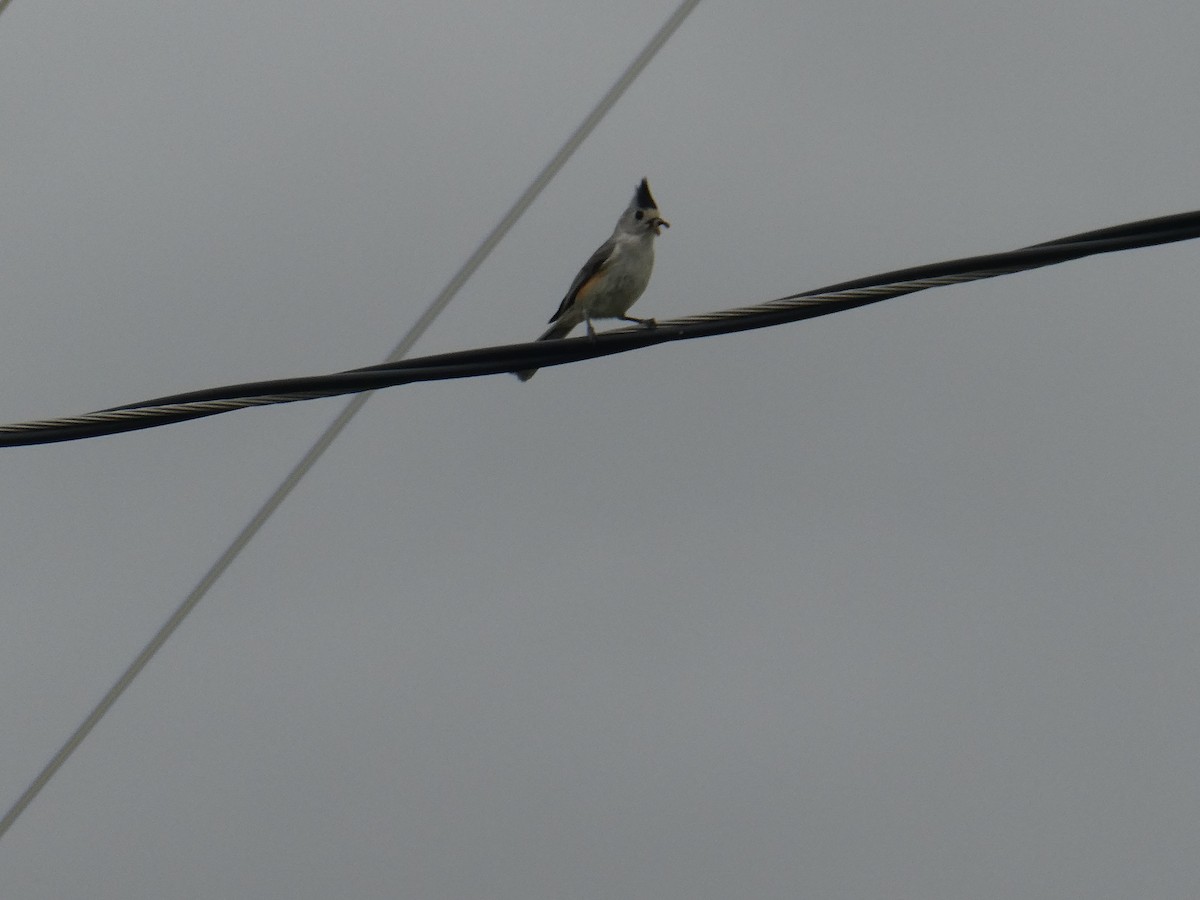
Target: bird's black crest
[644,200]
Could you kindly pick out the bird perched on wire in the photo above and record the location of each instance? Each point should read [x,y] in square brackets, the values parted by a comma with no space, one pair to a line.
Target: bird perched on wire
[612,280]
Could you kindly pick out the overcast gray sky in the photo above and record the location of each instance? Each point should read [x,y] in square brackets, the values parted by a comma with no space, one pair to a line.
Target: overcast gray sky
[898,603]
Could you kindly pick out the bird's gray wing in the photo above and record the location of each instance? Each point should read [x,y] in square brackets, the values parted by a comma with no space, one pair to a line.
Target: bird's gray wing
[597,264]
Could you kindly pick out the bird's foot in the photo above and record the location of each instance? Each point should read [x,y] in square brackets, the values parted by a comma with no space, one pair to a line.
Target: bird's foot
[645,323]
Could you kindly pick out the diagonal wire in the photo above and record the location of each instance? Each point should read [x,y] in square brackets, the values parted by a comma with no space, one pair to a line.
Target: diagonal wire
[339,423]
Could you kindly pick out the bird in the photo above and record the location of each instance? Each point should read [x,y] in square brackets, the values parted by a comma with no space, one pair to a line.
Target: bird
[616,275]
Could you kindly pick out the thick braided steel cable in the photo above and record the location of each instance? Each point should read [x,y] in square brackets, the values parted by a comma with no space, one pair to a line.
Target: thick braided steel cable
[335,428]
[809,301]
[493,360]
[174,412]
[427,368]
[167,411]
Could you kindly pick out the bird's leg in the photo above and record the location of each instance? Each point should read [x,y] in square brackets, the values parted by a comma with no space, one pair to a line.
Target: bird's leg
[591,332]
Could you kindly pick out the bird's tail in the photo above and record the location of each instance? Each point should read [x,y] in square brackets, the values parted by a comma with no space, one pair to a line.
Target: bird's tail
[557,330]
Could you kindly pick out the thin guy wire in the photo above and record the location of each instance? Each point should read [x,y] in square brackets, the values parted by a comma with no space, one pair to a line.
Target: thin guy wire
[336,427]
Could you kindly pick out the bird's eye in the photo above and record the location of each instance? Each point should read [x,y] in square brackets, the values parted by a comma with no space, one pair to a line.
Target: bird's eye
[639,215]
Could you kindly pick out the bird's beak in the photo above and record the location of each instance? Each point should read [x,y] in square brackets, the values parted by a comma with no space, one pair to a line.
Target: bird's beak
[660,224]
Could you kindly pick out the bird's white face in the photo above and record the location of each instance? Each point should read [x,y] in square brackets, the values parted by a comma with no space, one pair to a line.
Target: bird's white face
[649,220]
